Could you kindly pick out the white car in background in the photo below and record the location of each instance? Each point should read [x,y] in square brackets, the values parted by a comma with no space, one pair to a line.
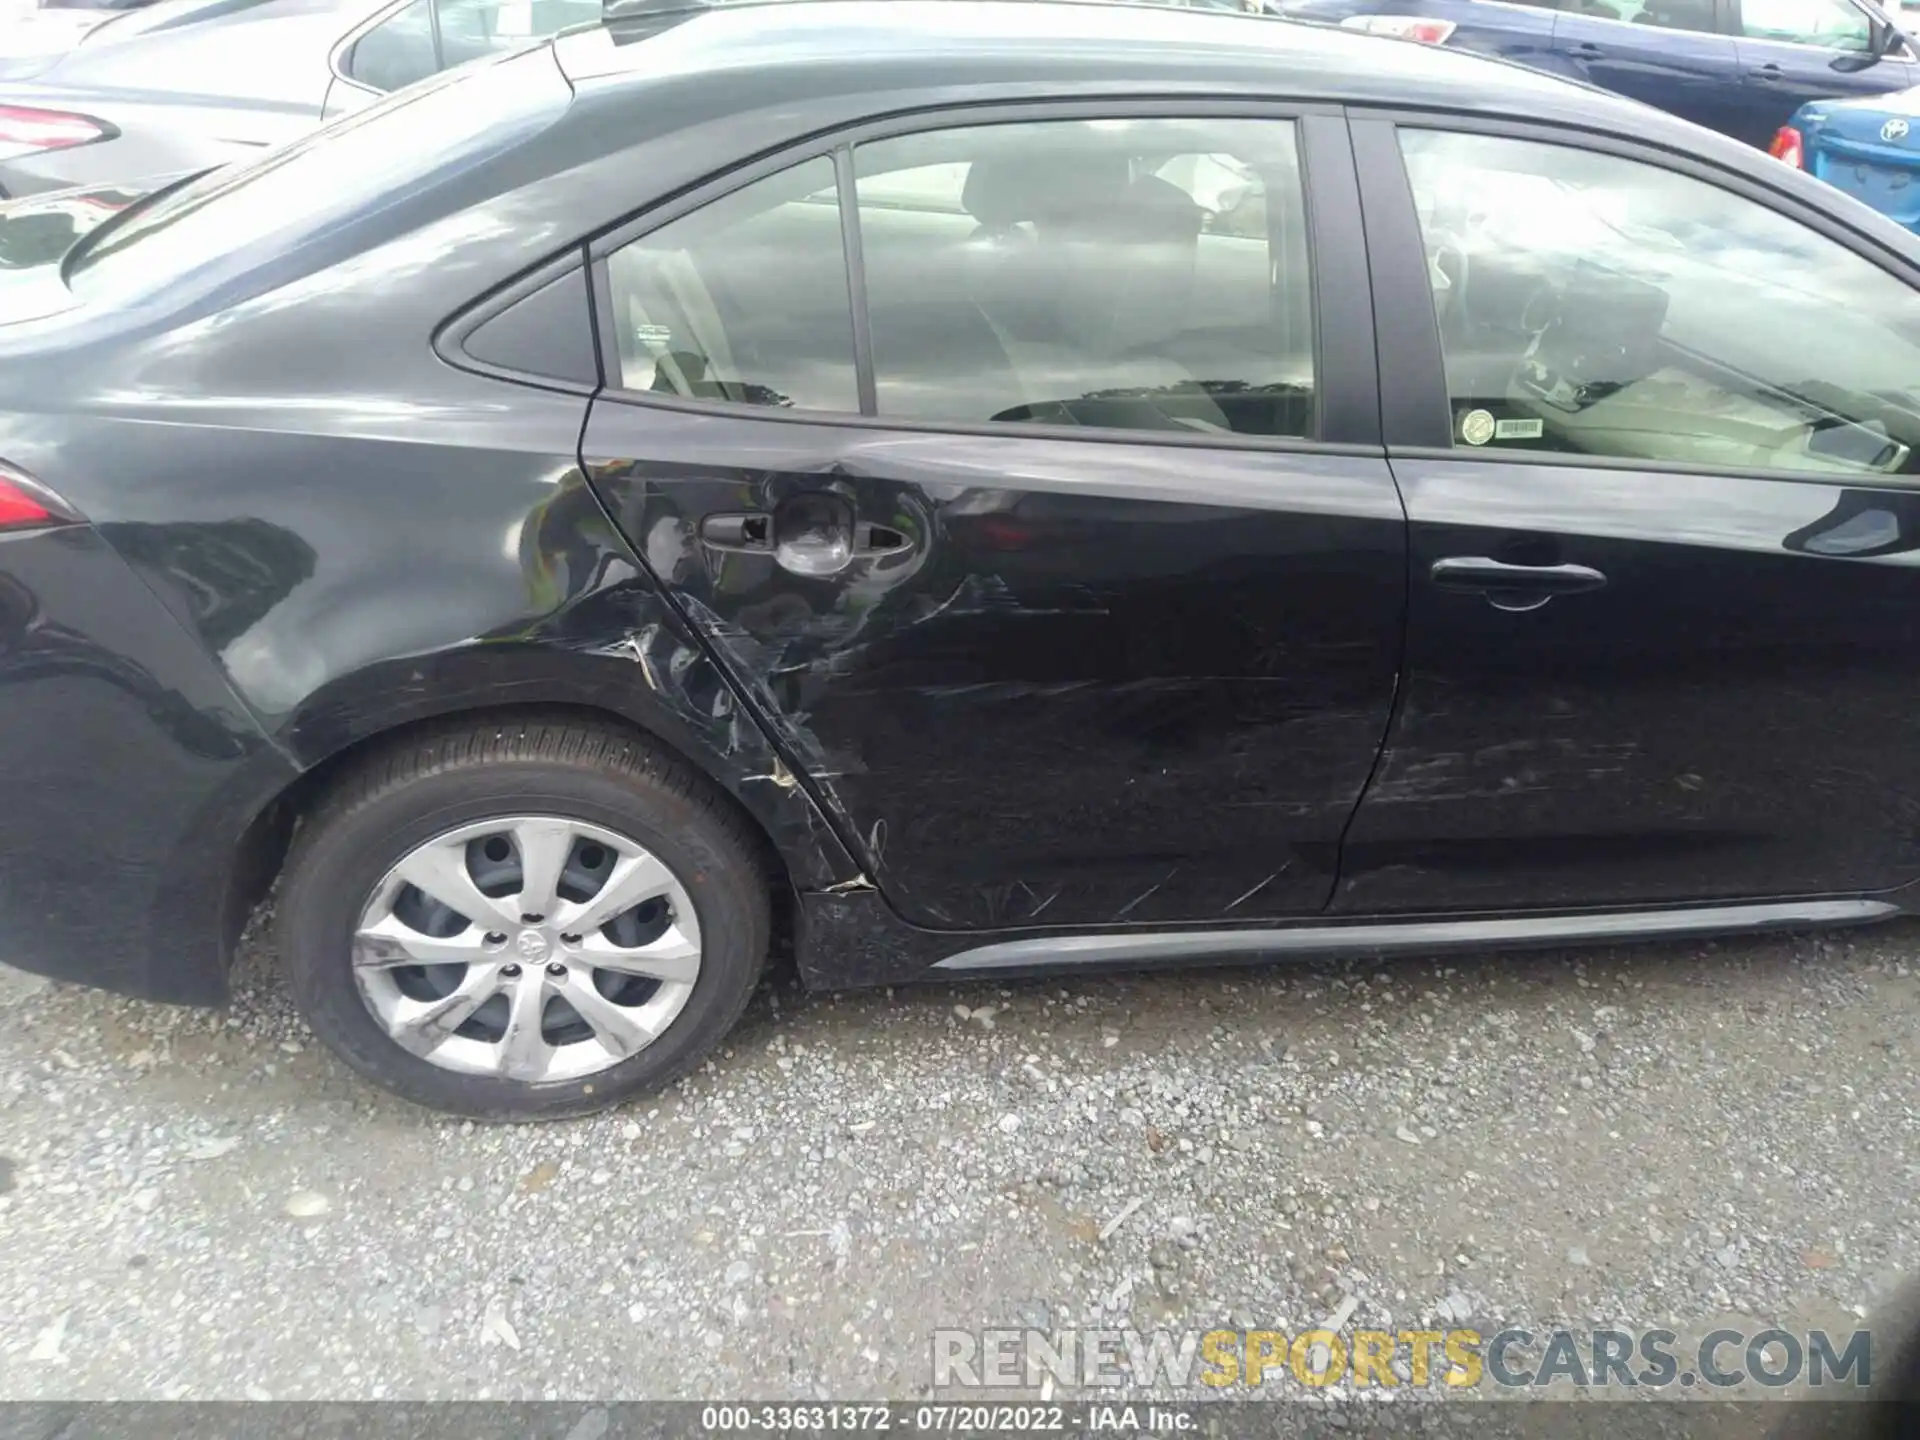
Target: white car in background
[183,85]
[29,28]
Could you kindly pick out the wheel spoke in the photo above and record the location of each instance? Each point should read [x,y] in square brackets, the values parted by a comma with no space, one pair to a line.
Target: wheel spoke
[616,1027]
[441,872]
[673,958]
[515,953]
[634,878]
[524,1051]
[544,846]
[424,1026]
[392,942]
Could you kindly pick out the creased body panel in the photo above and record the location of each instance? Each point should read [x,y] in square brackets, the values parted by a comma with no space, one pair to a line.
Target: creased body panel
[1734,713]
[127,767]
[1106,681]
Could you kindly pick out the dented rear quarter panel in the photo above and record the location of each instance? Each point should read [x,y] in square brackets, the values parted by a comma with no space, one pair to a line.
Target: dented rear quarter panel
[348,533]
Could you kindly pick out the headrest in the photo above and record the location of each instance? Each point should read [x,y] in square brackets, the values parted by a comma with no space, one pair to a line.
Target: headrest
[1154,210]
[1005,190]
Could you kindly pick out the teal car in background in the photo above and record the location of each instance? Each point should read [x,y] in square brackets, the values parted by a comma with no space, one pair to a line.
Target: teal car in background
[1869,148]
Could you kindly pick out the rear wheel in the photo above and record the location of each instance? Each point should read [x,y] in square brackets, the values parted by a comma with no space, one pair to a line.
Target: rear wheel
[523,921]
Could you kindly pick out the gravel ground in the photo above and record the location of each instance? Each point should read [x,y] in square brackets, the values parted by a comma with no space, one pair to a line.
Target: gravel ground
[206,1205]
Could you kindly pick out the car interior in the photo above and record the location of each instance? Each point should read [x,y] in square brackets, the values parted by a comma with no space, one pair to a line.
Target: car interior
[1585,336]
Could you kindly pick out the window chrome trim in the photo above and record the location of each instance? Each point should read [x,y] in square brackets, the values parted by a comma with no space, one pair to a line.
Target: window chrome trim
[1069,951]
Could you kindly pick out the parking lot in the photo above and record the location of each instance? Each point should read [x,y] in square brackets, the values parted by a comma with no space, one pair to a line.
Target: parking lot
[207,1205]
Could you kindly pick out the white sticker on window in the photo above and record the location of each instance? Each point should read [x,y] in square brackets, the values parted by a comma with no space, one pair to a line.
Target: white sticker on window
[1519,429]
[1477,427]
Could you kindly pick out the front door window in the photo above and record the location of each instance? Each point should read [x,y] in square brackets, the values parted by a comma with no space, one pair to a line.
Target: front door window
[1595,306]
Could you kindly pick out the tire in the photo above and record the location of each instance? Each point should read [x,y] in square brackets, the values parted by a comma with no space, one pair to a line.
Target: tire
[407,807]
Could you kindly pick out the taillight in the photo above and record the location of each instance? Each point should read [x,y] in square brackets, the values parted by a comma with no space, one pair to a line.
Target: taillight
[27,131]
[1402,27]
[1787,146]
[26,504]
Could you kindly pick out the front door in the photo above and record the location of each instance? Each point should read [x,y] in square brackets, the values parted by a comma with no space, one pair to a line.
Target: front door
[1054,555]
[1661,644]
[1793,51]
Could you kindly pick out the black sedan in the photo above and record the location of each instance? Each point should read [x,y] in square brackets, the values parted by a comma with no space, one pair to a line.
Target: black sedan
[957,488]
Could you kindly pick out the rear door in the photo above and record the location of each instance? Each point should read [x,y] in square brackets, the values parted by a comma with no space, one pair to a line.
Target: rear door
[1054,539]
[1671,54]
[1665,534]
[1793,51]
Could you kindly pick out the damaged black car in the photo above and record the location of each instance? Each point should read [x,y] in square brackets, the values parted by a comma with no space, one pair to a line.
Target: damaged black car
[954,488]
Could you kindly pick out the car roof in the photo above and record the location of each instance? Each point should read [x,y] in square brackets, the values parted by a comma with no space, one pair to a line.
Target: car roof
[1078,43]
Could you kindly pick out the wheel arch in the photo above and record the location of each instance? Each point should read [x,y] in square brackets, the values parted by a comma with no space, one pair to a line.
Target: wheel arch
[696,717]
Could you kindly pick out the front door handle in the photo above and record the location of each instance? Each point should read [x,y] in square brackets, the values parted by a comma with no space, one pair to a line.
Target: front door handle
[1587,50]
[1769,71]
[1513,587]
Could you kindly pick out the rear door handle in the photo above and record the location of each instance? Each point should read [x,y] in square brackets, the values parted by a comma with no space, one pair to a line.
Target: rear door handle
[811,534]
[1587,50]
[1769,71]
[1513,587]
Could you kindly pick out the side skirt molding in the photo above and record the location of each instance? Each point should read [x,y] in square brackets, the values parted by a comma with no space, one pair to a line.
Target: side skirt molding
[1066,951]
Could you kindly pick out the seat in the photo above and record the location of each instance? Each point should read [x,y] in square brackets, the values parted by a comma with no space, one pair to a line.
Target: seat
[1124,291]
[1084,274]
[1047,189]
[1023,206]
[940,360]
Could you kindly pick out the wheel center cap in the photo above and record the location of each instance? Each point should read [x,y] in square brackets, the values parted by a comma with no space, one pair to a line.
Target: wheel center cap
[532,945]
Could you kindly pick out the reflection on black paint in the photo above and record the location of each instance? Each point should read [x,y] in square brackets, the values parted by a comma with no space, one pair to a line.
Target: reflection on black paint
[229,573]
[33,649]
[567,550]
[1862,524]
[40,232]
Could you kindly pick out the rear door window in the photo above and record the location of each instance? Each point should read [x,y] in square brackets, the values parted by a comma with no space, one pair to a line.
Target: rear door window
[432,35]
[1696,15]
[1125,274]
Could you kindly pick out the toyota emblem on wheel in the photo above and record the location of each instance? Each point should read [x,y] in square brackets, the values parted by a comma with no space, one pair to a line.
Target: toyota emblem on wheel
[1895,129]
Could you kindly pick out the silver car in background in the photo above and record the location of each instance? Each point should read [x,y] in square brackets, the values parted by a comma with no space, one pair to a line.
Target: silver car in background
[186,84]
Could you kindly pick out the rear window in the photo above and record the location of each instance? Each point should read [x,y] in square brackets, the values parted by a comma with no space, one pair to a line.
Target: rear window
[226,220]
[167,15]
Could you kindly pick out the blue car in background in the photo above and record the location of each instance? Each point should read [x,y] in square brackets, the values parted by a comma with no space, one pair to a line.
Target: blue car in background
[1868,148]
[1742,67]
